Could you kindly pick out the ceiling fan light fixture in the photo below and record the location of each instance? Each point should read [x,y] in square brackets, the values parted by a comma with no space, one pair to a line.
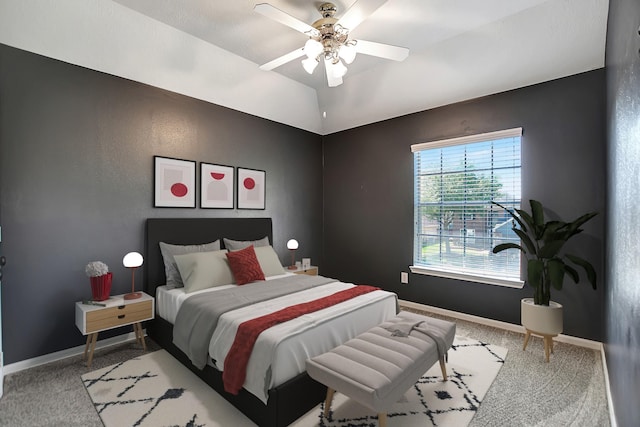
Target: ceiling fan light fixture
[309,64]
[328,39]
[348,53]
[313,48]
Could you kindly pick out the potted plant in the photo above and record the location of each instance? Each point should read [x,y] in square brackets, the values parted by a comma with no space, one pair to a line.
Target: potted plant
[100,278]
[547,265]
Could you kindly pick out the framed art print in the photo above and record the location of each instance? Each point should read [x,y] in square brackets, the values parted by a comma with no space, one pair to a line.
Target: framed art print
[216,186]
[175,183]
[251,189]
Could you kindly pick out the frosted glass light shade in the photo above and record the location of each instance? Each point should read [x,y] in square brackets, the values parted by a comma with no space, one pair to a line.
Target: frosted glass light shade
[292,244]
[309,64]
[348,53]
[132,260]
[312,48]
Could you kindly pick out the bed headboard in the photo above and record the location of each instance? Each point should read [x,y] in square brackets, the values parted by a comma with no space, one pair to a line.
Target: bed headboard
[187,231]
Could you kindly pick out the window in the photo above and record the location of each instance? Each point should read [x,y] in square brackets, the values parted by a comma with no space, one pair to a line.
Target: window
[456,225]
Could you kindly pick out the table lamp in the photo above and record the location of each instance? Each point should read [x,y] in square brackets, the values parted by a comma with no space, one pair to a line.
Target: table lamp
[292,245]
[132,260]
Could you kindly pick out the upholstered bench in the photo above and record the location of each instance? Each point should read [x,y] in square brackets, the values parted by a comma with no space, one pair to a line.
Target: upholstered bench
[377,367]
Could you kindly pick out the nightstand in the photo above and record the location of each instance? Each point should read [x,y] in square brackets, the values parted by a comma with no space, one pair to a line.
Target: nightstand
[92,319]
[310,271]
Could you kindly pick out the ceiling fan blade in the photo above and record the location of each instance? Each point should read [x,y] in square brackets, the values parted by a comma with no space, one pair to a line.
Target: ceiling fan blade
[332,80]
[276,14]
[386,51]
[358,12]
[282,60]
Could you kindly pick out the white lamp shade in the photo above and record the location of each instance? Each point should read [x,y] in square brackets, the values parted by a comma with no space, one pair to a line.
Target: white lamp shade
[309,64]
[132,259]
[348,53]
[292,244]
[312,48]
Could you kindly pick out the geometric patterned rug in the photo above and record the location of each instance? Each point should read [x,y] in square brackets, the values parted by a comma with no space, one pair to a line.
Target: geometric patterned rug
[156,390]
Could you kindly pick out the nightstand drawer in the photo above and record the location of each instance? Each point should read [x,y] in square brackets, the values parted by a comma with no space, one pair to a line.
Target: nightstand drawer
[310,271]
[117,316]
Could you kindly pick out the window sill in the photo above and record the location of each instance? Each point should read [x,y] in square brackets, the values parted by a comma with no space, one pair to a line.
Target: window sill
[489,280]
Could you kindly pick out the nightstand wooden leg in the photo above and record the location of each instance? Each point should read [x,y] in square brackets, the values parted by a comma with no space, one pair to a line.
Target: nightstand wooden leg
[137,327]
[86,347]
[91,343]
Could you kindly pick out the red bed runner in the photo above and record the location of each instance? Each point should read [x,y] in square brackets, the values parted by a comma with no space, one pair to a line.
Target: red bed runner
[235,364]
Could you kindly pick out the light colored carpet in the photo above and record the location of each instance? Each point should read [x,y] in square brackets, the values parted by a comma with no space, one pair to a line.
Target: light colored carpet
[568,391]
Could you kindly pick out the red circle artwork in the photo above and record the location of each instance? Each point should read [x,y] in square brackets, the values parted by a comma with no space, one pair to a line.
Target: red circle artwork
[249,183]
[179,189]
[217,175]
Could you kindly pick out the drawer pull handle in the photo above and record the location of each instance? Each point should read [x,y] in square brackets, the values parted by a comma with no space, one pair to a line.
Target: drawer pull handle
[121,316]
[120,307]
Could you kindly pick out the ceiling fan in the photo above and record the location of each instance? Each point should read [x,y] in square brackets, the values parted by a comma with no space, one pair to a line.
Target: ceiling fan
[329,39]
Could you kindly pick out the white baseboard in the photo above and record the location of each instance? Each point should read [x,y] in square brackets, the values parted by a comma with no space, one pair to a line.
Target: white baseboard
[568,339]
[63,354]
[612,414]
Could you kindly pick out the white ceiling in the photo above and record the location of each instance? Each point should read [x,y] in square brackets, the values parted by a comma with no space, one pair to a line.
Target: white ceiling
[459,50]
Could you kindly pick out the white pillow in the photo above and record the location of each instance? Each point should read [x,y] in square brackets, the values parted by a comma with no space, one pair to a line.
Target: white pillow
[269,261]
[172,275]
[203,270]
[236,245]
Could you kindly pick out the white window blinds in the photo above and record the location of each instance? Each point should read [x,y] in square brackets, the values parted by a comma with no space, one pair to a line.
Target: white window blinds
[456,226]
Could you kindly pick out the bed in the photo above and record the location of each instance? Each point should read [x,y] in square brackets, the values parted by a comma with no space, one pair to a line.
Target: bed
[292,394]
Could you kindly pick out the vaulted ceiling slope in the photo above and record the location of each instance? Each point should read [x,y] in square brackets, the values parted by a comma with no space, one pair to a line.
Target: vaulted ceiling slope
[211,50]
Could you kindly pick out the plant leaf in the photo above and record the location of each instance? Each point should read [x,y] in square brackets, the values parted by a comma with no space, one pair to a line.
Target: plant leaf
[537,213]
[551,229]
[574,226]
[526,218]
[556,272]
[588,268]
[526,240]
[572,272]
[550,249]
[513,215]
[502,246]
[534,272]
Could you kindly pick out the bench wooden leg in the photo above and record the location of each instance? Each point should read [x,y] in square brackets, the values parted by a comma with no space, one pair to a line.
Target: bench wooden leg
[328,400]
[382,420]
[443,368]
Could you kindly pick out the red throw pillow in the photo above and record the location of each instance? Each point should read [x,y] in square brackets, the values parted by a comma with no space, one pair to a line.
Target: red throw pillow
[245,266]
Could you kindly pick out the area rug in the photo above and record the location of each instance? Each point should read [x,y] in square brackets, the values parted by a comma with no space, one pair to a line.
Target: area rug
[156,390]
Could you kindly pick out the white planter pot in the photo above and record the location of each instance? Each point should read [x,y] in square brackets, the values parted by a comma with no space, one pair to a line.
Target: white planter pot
[542,319]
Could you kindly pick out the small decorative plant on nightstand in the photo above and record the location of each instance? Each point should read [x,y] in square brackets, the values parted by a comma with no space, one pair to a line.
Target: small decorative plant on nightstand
[100,279]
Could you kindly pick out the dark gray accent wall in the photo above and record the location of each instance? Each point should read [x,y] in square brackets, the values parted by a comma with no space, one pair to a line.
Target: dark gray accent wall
[622,308]
[368,193]
[77,151]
